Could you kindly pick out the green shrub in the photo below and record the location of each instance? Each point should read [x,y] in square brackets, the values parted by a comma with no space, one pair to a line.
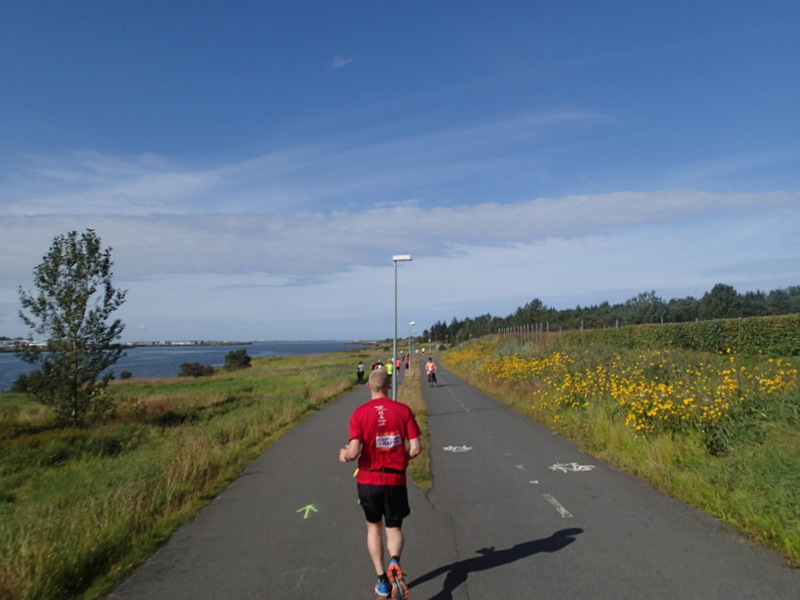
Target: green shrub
[195,369]
[237,359]
[770,336]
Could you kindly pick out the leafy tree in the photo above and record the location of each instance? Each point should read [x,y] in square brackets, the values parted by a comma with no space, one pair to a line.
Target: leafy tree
[646,308]
[73,305]
[722,302]
[237,359]
[533,312]
[682,310]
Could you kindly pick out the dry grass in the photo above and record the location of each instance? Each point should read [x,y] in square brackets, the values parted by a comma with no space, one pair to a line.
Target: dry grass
[410,393]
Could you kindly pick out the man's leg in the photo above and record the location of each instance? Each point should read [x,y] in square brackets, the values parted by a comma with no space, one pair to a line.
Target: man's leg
[375,546]
[394,541]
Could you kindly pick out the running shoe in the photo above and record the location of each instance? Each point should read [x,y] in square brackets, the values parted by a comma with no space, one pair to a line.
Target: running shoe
[399,587]
[383,589]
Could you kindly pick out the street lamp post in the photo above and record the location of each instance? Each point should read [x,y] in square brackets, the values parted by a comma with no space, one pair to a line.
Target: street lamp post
[396,259]
[410,325]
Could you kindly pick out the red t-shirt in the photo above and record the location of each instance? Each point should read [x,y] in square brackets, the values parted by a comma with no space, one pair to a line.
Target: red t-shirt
[383,427]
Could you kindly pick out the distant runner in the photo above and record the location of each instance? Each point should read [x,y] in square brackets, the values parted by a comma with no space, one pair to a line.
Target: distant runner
[360,372]
[430,369]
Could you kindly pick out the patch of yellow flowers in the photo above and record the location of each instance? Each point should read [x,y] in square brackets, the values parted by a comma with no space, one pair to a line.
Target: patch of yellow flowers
[656,390]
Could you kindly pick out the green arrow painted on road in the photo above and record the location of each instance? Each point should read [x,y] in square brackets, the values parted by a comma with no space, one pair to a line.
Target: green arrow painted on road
[307,509]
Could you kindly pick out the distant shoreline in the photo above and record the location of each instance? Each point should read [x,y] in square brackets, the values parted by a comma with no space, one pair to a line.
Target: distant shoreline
[157,345]
[196,343]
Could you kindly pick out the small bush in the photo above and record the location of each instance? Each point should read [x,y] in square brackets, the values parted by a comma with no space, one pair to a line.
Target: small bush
[194,369]
[21,384]
[237,359]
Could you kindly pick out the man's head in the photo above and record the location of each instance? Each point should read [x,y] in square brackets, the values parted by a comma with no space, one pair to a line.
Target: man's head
[379,383]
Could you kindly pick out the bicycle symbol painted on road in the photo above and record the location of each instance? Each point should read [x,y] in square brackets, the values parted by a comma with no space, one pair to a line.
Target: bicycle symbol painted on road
[572,467]
[457,448]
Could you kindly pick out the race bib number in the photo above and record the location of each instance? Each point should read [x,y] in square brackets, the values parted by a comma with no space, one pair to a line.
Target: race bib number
[388,441]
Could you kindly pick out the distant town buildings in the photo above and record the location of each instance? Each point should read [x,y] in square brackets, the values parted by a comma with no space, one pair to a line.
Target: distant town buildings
[11,345]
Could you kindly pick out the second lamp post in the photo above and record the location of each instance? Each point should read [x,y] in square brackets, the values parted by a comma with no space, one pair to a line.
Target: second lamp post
[396,259]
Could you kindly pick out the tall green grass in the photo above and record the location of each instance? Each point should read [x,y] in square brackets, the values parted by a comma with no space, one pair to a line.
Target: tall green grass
[81,507]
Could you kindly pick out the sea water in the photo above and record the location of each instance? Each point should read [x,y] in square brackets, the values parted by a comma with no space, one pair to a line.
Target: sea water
[166,361]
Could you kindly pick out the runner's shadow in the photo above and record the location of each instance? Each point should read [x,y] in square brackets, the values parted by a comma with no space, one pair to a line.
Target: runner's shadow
[490,558]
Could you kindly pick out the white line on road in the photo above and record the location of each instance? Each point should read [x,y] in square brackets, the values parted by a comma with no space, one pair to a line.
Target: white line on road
[561,510]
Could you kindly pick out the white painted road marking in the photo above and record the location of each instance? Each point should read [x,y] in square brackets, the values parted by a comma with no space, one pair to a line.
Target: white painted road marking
[457,448]
[561,510]
[573,467]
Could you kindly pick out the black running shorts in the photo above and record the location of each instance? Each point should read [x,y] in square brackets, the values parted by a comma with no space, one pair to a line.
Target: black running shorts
[389,502]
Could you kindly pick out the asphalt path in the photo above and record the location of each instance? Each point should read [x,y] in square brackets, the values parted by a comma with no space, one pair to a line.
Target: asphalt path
[515,512]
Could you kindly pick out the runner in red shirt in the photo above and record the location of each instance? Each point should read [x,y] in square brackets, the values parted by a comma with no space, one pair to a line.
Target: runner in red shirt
[379,431]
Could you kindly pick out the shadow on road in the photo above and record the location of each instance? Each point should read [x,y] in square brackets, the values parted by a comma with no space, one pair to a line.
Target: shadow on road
[489,558]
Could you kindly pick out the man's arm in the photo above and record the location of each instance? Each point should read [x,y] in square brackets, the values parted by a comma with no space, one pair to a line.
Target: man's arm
[351,451]
[414,447]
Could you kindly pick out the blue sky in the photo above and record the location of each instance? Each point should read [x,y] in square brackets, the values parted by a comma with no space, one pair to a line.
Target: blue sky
[255,165]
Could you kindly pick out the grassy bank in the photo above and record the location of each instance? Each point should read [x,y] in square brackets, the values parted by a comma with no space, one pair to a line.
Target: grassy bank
[718,431]
[411,393]
[81,507]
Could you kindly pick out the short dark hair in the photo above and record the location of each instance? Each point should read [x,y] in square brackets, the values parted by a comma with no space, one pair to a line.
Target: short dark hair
[379,379]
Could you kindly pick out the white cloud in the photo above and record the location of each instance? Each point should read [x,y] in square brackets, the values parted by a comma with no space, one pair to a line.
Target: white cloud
[370,167]
[730,168]
[329,275]
[298,240]
[339,62]
[81,183]
[309,244]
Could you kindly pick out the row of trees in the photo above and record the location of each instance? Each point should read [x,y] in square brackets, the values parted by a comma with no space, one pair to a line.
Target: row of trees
[722,302]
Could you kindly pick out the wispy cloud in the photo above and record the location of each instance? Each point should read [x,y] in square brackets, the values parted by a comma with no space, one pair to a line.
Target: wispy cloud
[339,62]
[474,160]
[308,244]
[730,168]
[92,183]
